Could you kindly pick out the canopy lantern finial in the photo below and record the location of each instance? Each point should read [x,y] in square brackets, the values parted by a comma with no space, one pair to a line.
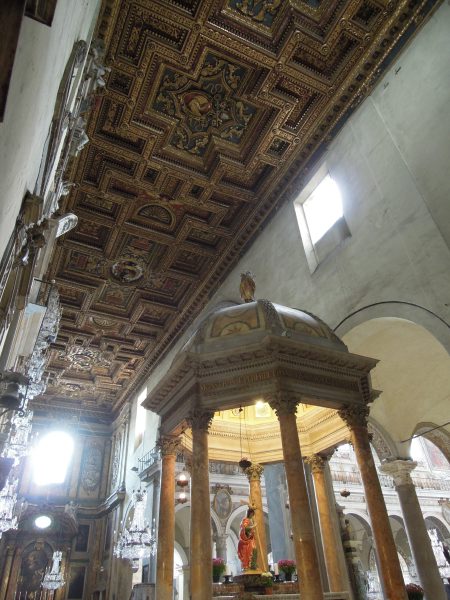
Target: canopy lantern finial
[247,287]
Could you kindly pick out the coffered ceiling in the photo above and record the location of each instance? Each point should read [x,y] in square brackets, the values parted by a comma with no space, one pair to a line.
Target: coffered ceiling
[213,112]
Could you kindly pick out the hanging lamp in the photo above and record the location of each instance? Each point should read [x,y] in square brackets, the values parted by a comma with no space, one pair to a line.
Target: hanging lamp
[53,578]
[137,541]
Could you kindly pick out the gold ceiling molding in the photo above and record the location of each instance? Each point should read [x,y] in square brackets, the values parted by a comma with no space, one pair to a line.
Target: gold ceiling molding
[212,116]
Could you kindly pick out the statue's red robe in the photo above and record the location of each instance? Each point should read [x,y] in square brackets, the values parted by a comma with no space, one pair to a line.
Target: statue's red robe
[246,543]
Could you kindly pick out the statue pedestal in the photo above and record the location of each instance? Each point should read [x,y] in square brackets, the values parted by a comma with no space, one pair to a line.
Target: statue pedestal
[252,581]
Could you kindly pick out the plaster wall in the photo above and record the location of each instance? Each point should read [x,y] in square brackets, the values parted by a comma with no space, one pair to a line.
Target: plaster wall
[388,161]
[41,57]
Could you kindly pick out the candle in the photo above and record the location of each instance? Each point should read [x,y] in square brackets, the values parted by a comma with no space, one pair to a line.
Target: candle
[275,569]
[227,569]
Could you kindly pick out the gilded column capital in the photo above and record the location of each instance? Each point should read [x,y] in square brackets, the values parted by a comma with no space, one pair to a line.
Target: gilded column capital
[399,470]
[354,415]
[169,445]
[316,462]
[282,405]
[254,472]
[199,419]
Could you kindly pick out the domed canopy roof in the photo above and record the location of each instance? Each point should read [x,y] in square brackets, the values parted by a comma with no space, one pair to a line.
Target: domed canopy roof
[251,320]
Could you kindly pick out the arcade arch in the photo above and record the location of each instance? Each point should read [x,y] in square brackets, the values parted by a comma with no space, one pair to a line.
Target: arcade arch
[413,366]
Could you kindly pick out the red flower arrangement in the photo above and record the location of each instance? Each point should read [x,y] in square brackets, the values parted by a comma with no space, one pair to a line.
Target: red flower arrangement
[287,566]
[218,567]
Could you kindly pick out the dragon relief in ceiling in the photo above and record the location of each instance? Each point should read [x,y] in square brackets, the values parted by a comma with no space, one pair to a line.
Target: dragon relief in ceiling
[212,115]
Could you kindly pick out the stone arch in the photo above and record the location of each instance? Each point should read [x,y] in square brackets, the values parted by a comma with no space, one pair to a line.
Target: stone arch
[184,557]
[413,370]
[435,522]
[439,437]
[217,525]
[408,311]
[361,518]
[240,510]
[381,441]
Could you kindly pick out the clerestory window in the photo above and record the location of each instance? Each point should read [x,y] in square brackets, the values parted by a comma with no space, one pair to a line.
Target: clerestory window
[51,458]
[320,217]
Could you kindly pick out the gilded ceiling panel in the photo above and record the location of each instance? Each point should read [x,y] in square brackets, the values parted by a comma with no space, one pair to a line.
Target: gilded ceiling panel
[212,114]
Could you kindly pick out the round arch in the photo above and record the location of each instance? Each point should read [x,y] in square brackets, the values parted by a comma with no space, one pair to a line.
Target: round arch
[184,557]
[413,374]
[435,522]
[438,436]
[236,512]
[361,518]
[420,315]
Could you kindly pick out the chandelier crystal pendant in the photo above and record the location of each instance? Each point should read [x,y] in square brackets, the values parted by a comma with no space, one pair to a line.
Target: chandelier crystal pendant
[8,500]
[53,578]
[137,541]
[17,444]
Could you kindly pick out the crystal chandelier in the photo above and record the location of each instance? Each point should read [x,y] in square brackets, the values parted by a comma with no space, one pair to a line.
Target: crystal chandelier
[137,541]
[53,578]
[8,500]
[17,443]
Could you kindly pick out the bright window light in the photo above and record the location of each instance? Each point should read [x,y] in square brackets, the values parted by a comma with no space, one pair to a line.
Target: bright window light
[51,458]
[323,208]
[141,414]
[43,522]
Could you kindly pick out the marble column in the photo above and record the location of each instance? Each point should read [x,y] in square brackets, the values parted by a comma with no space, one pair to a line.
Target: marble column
[279,524]
[201,542]
[254,473]
[390,572]
[221,546]
[169,447]
[306,556]
[332,544]
[416,529]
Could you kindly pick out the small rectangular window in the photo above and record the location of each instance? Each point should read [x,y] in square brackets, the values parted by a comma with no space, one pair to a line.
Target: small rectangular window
[141,414]
[41,10]
[320,218]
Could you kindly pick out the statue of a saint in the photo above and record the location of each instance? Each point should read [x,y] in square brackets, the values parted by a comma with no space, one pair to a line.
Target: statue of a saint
[247,544]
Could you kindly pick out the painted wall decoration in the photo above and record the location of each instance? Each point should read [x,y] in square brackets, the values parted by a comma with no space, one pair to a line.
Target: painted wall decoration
[116,462]
[91,467]
[222,503]
[76,582]
[82,539]
[35,559]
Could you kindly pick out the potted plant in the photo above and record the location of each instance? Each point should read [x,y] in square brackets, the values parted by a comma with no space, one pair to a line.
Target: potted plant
[267,583]
[288,567]
[414,591]
[218,567]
